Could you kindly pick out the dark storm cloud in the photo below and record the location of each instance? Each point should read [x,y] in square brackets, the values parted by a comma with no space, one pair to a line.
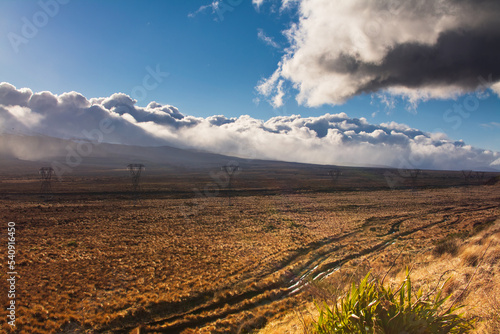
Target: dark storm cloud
[416,49]
[459,58]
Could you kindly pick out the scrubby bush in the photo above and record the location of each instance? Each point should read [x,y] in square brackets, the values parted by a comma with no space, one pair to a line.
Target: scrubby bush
[372,308]
[448,245]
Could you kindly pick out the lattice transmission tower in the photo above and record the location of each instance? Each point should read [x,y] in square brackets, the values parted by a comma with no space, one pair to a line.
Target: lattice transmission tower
[467,174]
[230,169]
[334,175]
[414,173]
[46,180]
[480,177]
[135,171]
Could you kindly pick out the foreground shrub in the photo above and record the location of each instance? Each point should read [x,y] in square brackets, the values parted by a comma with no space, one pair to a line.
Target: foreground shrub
[372,308]
[449,246]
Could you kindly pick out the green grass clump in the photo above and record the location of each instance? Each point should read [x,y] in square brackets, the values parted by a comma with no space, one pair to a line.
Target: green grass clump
[372,308]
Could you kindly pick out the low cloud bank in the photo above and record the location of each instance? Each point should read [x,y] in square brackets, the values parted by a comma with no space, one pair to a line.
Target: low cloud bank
[327,139]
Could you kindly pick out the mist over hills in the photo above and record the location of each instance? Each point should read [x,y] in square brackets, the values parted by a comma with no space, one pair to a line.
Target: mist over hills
[25,154]
[83,155]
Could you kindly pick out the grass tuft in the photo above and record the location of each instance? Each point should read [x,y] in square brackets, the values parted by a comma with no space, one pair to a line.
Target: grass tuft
[446,246]
[372,308]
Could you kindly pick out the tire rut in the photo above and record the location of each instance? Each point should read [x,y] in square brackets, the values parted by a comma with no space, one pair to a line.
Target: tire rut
[314,255]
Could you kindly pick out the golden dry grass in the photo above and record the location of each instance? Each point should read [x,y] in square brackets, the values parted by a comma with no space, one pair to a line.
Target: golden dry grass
[100,262]
[471,276]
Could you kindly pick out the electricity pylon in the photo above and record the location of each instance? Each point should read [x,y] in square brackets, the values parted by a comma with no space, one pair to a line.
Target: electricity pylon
[414,173]
[480,177]
[334,174]
[135,171]
[230,169]
[46,178]
[467,174]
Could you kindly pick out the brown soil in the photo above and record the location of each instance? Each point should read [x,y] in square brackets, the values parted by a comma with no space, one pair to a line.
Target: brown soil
[93,259]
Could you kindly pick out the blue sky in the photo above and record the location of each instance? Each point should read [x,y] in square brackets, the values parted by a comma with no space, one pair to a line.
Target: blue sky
[101,47]
[214,63]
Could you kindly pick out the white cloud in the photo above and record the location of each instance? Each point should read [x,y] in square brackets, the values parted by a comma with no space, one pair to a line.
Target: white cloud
[277,100]
[266,39]
[491,125]
[327,139]
[210,7]
[288,4]
[496,88]
[23,115]
[267,86]
[419,50]
[257,3]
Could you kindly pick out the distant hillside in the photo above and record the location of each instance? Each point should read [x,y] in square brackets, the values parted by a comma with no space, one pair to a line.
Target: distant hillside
[17,151]
[21,154]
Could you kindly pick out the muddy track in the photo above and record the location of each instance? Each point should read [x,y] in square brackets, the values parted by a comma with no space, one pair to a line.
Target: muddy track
[385,242]
[312,258]
[202,306]
[395,227]
[181,321]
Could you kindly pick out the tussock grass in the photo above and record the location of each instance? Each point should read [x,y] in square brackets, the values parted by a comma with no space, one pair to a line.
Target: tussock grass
[468,275]
[449,246]
[473,276]
[370,307]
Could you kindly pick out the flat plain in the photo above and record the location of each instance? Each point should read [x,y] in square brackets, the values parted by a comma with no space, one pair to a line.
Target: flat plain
[188,254]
